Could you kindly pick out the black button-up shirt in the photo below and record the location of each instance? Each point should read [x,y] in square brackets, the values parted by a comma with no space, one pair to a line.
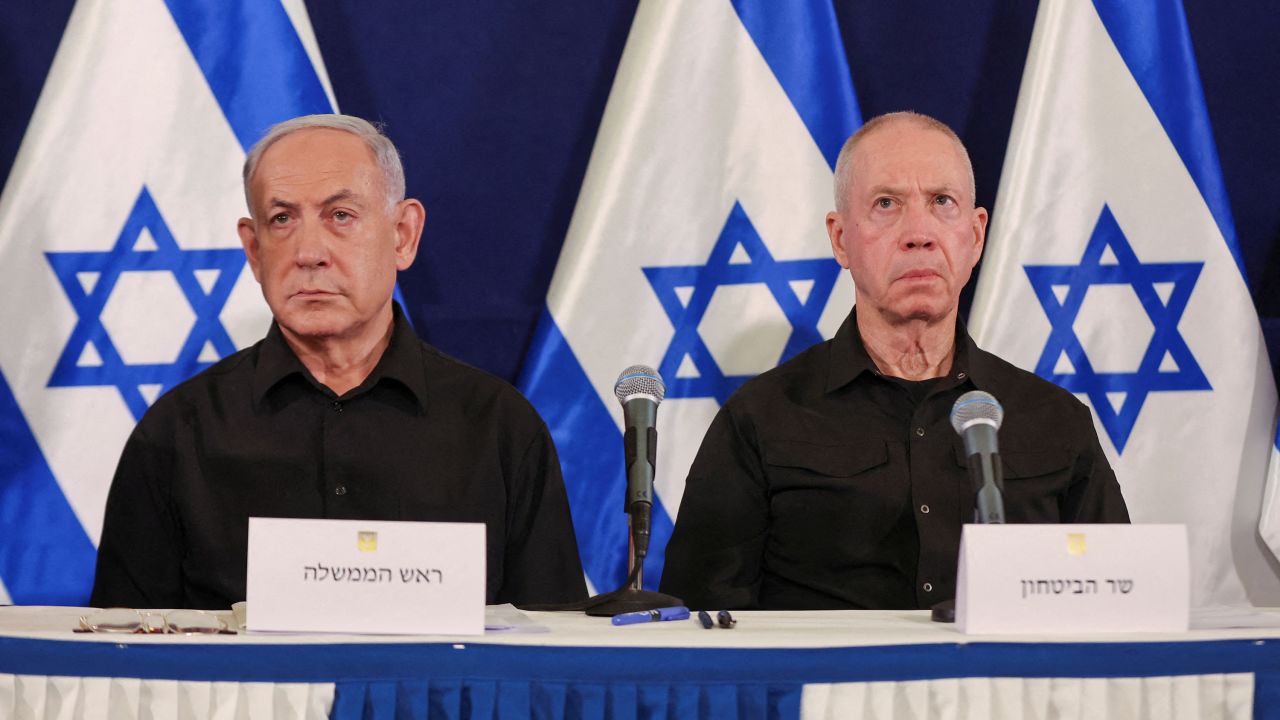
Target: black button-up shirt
[824,484]
[424,437]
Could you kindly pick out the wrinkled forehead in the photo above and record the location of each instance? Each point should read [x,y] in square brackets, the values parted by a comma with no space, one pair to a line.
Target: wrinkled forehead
[315,155]
[906,151]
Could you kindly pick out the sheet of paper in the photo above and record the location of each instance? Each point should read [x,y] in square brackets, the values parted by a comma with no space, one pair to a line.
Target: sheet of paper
[509,619]
[356,576]
[1072,579]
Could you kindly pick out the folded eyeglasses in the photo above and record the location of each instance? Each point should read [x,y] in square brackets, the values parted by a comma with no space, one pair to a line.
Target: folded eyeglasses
[174,622]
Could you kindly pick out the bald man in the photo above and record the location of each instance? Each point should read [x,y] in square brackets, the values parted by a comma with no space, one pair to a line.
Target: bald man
[835,480]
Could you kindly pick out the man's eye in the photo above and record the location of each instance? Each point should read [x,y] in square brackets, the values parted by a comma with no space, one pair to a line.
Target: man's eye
[884,203]
[280,219]
[341,215]
[944,200]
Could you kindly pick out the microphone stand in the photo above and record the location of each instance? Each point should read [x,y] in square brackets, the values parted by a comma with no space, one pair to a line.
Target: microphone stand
[632,597]
[988,509]
[639,389]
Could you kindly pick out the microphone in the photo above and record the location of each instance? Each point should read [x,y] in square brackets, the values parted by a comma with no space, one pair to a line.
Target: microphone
[640,388]
[976,416]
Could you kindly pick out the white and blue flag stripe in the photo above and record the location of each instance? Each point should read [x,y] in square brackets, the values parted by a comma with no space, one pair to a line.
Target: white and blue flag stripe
[1113,269]
[697,245]
[142,124]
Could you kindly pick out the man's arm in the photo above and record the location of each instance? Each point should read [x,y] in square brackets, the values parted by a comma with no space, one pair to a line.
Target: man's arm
[541,562]
[716,554]
[140,554]
[1095,495]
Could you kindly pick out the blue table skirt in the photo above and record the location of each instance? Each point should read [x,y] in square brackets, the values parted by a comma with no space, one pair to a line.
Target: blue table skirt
[490,680]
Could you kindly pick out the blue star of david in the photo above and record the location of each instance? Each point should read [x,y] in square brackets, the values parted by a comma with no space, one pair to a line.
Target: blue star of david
[762,268]
[125,256]
[1165,315]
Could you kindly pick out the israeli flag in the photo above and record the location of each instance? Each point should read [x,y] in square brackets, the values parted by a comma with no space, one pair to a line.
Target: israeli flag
[697,247]
[1113,270]
[122,270]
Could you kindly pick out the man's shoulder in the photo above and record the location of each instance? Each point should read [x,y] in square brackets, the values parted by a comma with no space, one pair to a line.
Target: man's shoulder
[234,367]
[456,381]
[797,378]
[1017,385]
[176,405]
[444,368]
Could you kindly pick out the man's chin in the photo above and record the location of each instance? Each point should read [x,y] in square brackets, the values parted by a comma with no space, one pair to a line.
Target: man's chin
[930,311]
[314,323]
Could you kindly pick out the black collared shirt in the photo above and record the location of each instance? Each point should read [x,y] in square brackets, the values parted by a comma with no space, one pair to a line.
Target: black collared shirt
[424,437]
[822,484]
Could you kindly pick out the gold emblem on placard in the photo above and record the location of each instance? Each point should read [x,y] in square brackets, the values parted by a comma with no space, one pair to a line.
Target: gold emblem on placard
[367,541]
[1076,544]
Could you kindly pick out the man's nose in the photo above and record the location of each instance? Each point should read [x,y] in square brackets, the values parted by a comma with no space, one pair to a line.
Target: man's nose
[919,229]
[312,249]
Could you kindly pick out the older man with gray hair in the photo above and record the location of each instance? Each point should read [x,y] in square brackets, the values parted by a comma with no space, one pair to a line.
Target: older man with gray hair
[835,480]
[340,412]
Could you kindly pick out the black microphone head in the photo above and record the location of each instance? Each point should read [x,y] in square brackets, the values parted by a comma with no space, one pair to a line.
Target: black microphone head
[975,407]
[637,381]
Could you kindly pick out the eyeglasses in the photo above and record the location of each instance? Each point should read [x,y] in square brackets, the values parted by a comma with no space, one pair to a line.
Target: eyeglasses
[174,622]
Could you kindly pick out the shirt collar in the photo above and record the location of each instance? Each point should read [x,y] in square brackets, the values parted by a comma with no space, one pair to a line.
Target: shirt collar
[848,357]
[400,362]
[982,367]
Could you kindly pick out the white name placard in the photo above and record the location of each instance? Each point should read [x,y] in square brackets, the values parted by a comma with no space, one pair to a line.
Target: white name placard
[1072,579]
[357,576]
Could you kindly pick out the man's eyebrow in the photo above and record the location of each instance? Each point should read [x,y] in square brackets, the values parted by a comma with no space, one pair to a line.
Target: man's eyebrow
[943,189]
[344,194]
[885,190]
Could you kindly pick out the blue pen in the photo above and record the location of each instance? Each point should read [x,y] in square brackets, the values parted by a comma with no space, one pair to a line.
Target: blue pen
[678,612]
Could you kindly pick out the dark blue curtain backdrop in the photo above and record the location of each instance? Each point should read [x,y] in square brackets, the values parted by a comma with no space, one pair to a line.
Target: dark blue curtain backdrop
[495,107]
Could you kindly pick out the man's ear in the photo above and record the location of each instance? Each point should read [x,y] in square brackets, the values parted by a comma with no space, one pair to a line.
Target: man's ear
[410,218]
[249,240]
[835,231]
[980,218]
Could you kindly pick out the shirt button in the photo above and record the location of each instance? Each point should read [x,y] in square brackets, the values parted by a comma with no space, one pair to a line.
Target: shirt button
[340,490]
[337,406]
[919,432]
[924,509]
[928,587]
[959,376]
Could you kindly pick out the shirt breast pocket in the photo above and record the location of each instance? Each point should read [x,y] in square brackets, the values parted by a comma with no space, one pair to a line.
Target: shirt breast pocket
[816,490]
[793,464]
[1035,482]
[828,477]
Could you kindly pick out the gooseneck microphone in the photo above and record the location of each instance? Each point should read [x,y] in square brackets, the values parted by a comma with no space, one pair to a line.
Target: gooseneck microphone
[976,416]
[640,389]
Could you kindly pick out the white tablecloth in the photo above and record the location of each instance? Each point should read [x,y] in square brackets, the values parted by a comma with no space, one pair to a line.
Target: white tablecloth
[886,664]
